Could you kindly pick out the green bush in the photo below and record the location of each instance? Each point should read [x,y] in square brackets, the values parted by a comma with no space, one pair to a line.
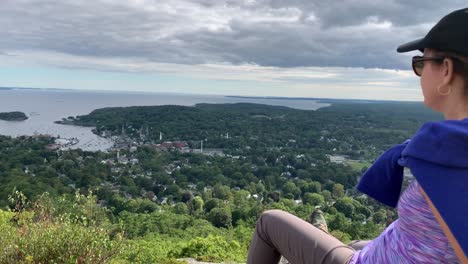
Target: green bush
[62,242]
[42,233]
[149,250]
[213,249]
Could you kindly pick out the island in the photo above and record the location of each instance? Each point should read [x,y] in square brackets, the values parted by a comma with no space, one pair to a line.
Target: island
[13,116]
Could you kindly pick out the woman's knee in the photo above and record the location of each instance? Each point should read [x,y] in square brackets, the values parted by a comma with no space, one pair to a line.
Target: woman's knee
[272,212]
[268,215]
[268,222]
[271,217]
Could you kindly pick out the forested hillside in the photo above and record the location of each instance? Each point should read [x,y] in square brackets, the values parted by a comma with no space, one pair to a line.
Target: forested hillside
[347,126]
[142,203]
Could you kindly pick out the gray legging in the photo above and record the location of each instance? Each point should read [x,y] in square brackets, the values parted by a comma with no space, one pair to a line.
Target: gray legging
[280,233]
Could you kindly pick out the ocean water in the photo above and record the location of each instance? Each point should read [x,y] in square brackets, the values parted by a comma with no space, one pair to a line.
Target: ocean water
[43,107]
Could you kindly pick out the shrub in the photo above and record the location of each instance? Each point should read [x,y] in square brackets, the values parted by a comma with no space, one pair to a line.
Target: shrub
[212,249]
[46,233]
[150,250]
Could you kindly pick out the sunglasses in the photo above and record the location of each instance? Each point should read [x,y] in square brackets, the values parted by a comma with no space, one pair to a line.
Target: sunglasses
[418,63]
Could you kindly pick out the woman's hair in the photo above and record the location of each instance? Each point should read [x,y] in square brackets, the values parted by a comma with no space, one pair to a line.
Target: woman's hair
[460,65]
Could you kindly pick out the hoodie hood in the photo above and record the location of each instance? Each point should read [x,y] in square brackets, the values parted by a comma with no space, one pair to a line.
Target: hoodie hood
[441,143]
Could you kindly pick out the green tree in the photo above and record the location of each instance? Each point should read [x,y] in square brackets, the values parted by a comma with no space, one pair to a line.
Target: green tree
[220,217]
[213,203]
[222,192]
[313,199]
[290,188]
[338,190]
[196,204]
[345,206]
[380,216]
[180,208]
[338,222]
[327,195]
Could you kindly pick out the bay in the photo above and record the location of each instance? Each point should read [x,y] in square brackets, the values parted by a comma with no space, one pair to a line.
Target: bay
[44,106]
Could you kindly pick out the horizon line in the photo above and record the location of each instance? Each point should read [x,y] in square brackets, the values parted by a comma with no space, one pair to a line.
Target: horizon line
[265,97]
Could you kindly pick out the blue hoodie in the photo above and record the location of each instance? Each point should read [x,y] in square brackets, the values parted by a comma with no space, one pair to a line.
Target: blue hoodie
[437,156]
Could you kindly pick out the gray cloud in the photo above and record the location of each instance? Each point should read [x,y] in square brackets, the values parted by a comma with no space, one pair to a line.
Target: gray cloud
[361,33]
[399,12]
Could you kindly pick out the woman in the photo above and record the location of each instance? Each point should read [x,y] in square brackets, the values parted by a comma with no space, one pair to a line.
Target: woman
[431,226]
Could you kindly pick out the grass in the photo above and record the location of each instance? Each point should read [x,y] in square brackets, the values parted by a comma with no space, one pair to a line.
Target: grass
[358,165]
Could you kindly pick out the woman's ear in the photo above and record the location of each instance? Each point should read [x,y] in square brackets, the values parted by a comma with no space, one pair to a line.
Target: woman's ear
[448,71]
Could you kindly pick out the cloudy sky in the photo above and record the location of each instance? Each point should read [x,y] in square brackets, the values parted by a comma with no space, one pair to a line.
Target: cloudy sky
[295,48]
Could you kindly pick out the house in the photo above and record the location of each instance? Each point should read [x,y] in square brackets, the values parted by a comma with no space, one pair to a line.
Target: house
[133,149]
[53,146]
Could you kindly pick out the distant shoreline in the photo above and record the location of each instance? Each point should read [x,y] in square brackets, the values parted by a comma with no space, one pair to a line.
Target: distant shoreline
[319,100]
[324,100]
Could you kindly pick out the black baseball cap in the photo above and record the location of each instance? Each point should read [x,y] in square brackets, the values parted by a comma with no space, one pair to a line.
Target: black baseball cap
[449,34]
